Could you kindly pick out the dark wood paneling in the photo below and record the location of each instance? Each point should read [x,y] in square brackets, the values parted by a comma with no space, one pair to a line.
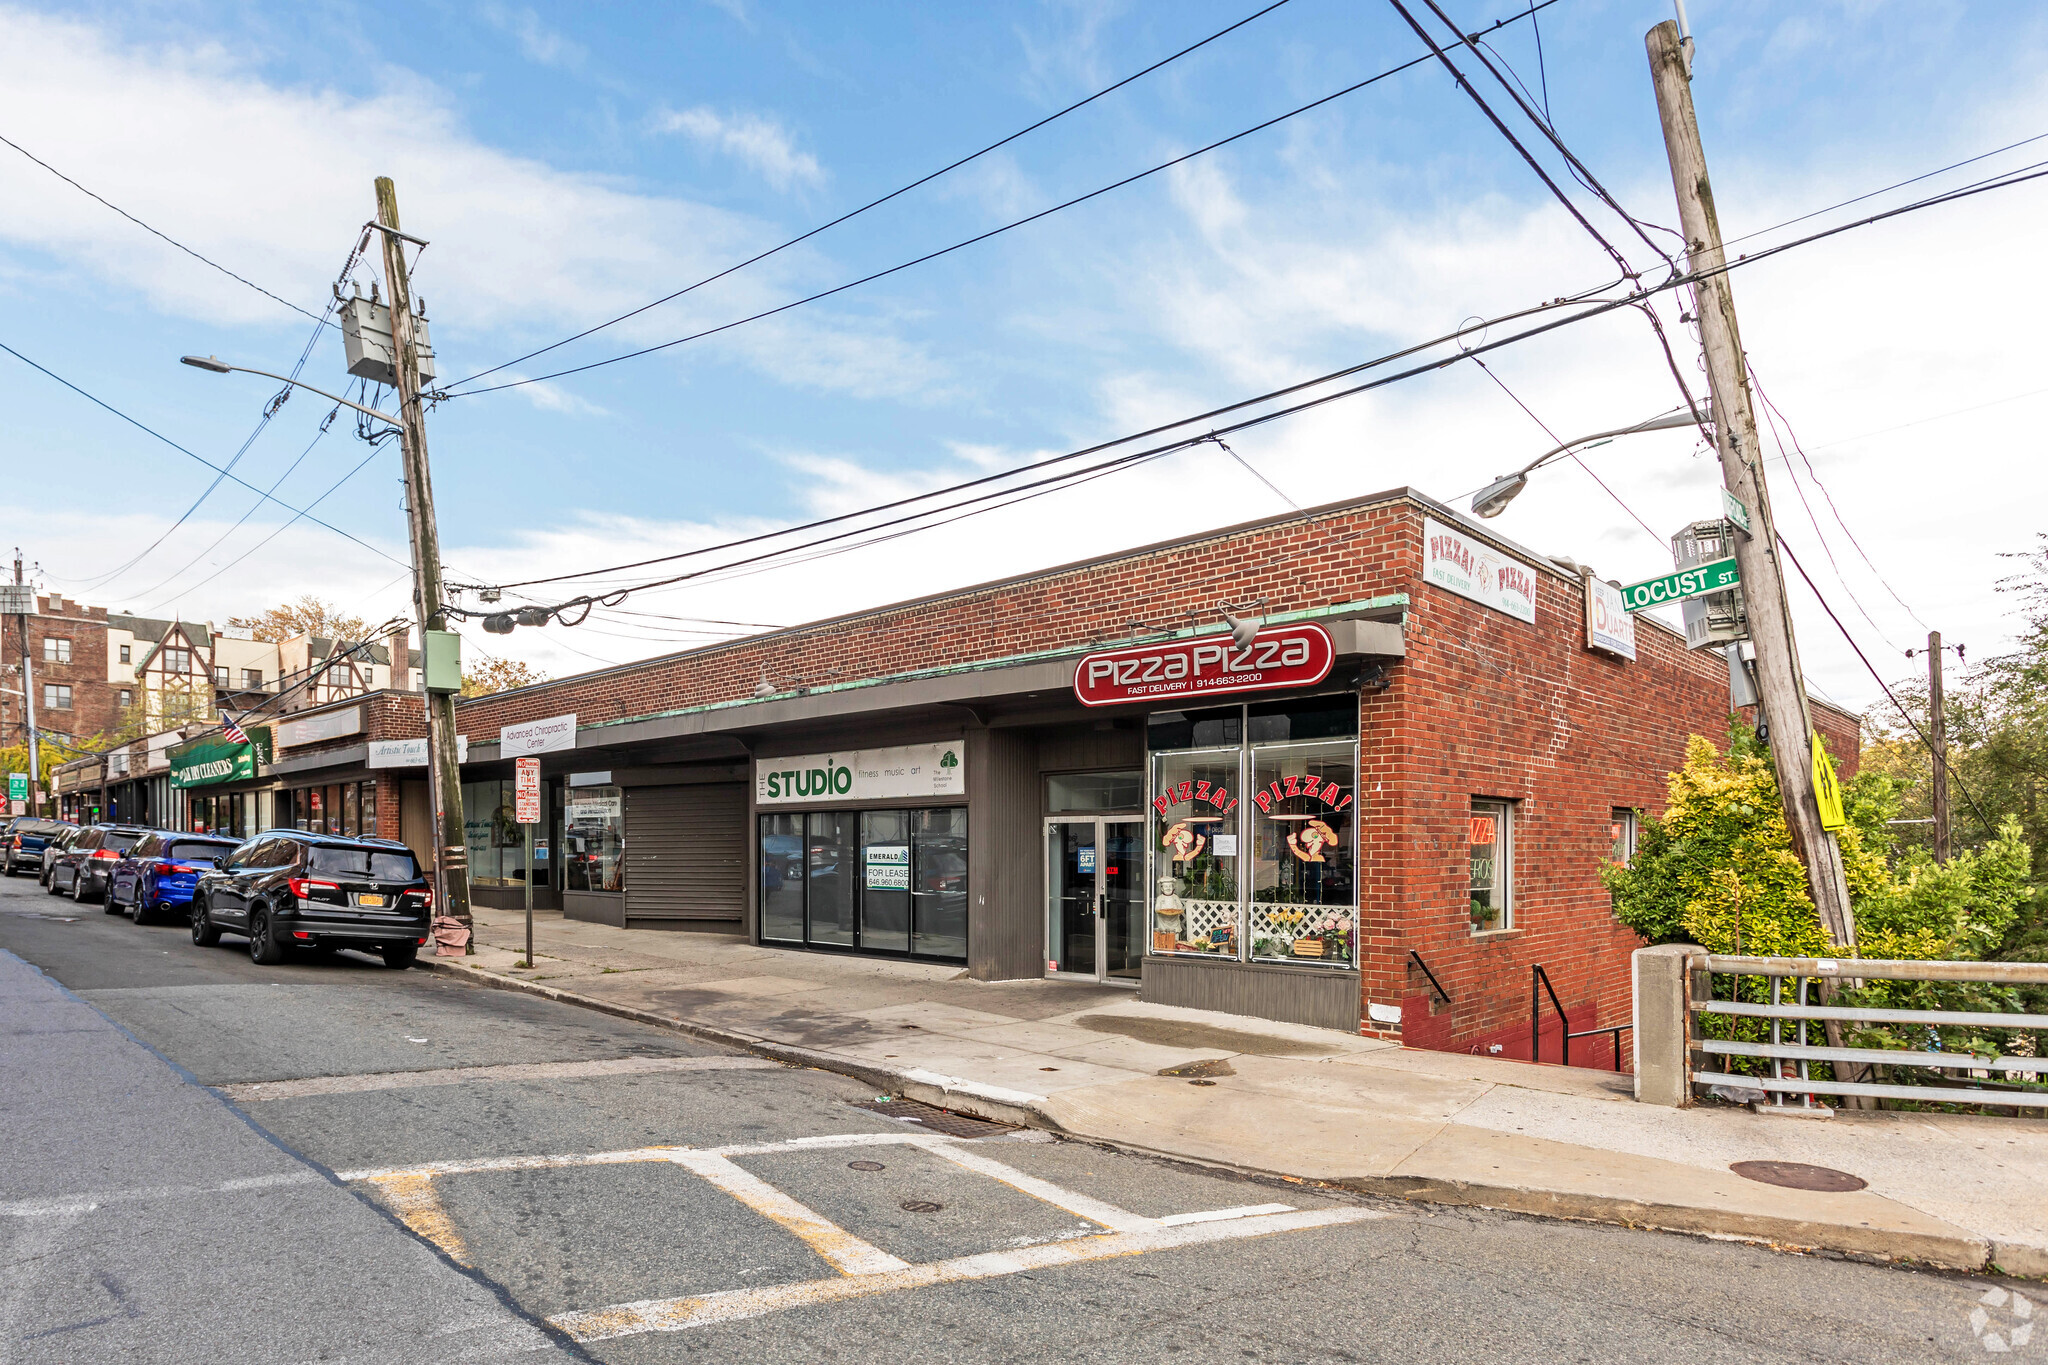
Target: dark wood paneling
[686,853]
[1005,916]
[1079,748]
[1292,995]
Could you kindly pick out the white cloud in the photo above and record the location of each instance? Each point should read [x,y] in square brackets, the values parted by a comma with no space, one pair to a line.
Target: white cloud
[761,143]
[537,42]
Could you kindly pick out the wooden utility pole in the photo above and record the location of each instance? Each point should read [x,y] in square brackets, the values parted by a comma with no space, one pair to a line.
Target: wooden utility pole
[1780,685]
[1937,740]
[28,706]
[451,855]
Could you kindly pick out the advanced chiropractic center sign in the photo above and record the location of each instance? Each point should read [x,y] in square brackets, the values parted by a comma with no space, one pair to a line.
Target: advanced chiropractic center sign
[908,772]
[1297,655]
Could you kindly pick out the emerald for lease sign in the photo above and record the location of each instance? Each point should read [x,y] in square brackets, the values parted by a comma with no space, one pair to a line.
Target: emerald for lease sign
[1717,576]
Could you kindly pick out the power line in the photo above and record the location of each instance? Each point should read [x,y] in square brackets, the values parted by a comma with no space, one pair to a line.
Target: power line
[877,203]
[151,431]
[1942,759]
[164,236]
[1594,308]
[970,241]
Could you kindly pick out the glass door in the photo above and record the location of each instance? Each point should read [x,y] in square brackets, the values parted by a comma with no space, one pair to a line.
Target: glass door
[1095,904]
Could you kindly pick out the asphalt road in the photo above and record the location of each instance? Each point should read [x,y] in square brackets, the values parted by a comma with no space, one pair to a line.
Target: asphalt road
[205,1160]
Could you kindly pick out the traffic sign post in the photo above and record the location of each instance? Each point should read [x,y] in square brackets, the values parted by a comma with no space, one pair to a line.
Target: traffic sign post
[17,786]
[1718,576]
[526,810]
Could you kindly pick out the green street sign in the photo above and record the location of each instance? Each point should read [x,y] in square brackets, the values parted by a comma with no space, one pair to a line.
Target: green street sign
[1737,513]
[17,786]
[1718,576]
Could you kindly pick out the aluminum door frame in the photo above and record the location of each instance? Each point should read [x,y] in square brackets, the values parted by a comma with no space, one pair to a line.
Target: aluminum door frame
[1099,973]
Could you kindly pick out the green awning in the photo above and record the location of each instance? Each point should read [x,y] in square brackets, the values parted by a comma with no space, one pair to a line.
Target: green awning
[214,758]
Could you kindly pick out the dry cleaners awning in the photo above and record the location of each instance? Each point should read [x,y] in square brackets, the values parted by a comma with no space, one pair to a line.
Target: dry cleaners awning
[215,758]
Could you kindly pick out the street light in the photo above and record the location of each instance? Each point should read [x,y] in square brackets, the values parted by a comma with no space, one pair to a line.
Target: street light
[213,366]
[1491,500]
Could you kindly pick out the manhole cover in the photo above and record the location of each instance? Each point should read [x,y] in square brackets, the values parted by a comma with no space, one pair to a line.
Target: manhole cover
[938,1120]
[920,1206]
[1797,1175]
[1207,1066]
[865,1166]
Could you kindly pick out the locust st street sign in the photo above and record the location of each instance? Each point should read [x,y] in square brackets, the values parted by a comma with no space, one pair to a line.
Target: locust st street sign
[1717,576]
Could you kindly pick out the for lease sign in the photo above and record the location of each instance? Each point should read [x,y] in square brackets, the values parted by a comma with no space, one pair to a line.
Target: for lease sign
[1296,655]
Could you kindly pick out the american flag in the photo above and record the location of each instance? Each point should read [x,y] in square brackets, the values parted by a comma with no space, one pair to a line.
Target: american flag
[233,731]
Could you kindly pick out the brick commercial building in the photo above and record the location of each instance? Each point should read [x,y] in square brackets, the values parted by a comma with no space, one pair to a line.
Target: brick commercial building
[1381,813]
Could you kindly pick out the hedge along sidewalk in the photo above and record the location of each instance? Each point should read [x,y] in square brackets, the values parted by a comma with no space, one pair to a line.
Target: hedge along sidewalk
[1958,1192]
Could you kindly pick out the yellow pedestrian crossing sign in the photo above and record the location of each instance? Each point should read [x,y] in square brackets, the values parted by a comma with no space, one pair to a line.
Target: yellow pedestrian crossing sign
[1827,791]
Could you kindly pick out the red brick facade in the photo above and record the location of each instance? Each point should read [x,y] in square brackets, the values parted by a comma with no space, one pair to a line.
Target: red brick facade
[1483,705]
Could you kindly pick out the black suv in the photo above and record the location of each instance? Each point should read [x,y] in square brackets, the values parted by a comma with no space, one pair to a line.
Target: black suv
[288,889]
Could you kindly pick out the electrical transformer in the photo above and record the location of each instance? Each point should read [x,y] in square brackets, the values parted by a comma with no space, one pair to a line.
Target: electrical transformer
[366,337]
[1718,617]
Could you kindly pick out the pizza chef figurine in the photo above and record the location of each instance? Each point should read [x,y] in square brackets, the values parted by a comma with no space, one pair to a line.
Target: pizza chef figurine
[1185,843]
[1310,840]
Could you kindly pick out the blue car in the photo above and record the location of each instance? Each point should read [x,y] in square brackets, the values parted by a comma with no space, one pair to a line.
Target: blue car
[23,839]
[156,876]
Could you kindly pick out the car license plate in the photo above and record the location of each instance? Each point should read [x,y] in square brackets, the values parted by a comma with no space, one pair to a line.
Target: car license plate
[369,900]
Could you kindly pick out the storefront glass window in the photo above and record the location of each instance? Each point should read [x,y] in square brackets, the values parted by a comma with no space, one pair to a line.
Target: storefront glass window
[782,877]
[594,830]
[1193,827]
[1253,822]
[939,928]
[1302,809]
[833,890]
[1492,857]
[351,810]
[496,841]
[1084,793]
[885,880]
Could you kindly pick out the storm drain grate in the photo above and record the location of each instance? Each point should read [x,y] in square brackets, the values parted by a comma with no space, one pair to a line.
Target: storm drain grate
[938,1120]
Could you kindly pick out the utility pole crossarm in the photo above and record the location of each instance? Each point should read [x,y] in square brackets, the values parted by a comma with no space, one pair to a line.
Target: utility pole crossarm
[1780,686]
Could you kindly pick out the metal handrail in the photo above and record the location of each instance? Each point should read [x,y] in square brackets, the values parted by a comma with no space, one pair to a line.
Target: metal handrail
[1538,976]
[1807,971]
[1617,1031]
[1441,992]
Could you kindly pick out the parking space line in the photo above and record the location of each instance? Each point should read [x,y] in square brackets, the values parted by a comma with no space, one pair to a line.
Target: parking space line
[678,1314]
[843,1251]
[1094,1210]
[247,1091]
[1223,1215]
[478,1165]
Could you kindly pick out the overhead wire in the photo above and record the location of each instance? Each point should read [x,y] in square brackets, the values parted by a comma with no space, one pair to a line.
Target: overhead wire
[152,432]
[878,202]
[452,392]
[1593,308]
[163,235]
[1899,706]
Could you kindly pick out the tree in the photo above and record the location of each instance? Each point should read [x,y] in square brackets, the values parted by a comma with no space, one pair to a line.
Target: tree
[499,675]
[309,615]
[14,759]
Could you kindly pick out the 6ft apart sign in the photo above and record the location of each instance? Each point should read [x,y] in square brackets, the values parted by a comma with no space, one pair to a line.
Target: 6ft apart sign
[1297,655]
[1718,576]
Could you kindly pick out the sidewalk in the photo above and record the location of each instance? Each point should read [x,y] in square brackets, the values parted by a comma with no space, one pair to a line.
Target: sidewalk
[1091,1061]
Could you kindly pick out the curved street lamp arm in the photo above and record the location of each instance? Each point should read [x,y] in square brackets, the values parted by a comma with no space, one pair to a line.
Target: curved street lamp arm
[219,367]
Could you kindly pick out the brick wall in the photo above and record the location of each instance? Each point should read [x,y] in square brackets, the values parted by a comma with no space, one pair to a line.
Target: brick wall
[1483,706]
[95,703]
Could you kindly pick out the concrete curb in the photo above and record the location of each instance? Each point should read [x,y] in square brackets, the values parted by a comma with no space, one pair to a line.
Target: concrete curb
[1973,1254]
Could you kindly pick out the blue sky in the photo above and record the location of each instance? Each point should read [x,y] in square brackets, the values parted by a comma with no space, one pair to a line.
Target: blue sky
[571,162]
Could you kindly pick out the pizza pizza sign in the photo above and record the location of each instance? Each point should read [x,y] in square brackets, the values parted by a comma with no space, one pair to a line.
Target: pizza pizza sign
[1297,655]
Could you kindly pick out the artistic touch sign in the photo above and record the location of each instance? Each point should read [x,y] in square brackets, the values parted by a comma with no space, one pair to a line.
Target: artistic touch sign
[1609,627]
[1297,655]
[912,771]
[537,736]
[1471,568]
[409,753]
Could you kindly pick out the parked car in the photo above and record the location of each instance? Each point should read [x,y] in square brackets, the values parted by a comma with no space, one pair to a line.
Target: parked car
[84,864]
[289,888]
[159,874]
[50,851]
[23,839]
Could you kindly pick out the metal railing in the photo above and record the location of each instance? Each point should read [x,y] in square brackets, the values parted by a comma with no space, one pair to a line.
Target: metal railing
[1798,1056]
[1539,977]
[1442,994]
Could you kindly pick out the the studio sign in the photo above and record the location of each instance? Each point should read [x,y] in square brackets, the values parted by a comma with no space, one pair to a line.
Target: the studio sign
[1297,655]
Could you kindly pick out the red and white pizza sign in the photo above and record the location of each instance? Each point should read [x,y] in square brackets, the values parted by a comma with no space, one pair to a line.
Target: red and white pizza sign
[1297,655]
